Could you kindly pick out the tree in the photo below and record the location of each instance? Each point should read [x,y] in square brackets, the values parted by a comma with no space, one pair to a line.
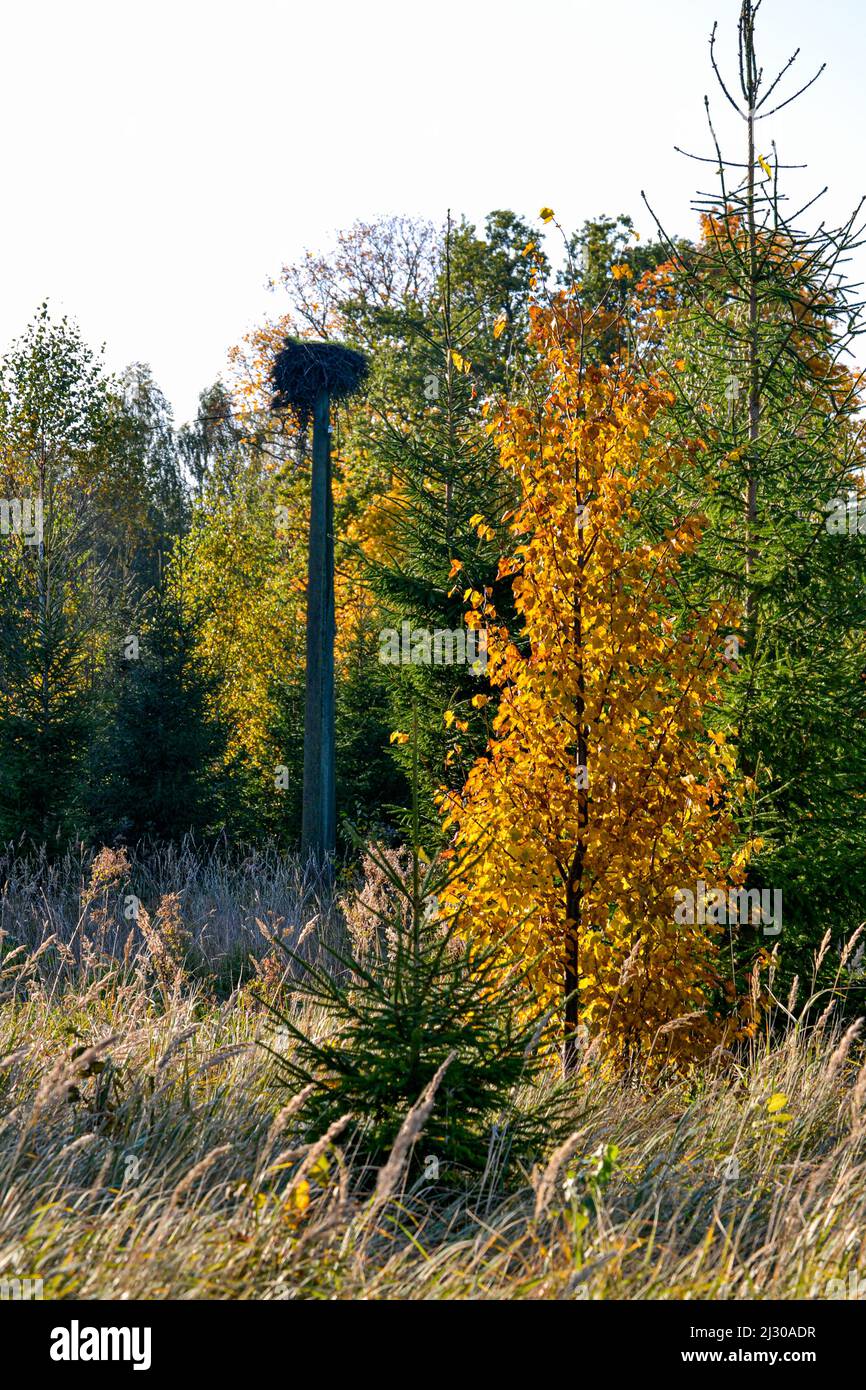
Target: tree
[755,345]
[55,620]
[600,794]
[209,444]
[613,269]
[241,588]
[412,1006]
[159,756]
[443,475]
[148,499]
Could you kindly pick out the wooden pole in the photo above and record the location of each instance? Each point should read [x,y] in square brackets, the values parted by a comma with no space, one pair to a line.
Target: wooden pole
[319,814]
[309,377]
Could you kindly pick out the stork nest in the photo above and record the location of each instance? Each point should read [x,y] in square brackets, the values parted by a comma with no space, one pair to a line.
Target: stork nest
[303,370]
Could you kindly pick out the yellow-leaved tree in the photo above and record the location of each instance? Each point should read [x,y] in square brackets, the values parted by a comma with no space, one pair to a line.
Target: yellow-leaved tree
[604,788]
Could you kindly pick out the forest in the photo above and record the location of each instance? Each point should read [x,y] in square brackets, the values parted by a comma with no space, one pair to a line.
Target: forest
[432,837]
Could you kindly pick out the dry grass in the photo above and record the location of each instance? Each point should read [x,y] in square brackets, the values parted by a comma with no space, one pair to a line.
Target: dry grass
[80,909]
[145,1151]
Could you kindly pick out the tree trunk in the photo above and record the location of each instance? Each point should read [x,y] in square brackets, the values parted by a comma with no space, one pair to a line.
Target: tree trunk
[573,896]
[754,364]
[574,886]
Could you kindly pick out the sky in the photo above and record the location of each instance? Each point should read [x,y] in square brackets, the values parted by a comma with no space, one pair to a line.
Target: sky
[162,161]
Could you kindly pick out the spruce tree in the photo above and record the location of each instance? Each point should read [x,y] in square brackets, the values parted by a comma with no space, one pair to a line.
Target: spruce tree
[763,399]
[158,760]
[469,348]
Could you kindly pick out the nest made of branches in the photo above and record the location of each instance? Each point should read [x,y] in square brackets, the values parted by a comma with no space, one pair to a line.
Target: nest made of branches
[303,370]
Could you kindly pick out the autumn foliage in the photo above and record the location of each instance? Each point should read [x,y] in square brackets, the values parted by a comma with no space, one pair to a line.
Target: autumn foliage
[605,786]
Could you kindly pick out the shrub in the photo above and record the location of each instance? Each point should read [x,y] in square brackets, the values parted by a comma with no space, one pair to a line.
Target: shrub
[397,1010]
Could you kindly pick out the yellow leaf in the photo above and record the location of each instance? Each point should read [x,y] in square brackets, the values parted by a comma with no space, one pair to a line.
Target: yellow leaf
[479,701]
[398,737]
[776,1102]
[321,1169]
[301,1196]
[765,166]
[500,325]
[546,214]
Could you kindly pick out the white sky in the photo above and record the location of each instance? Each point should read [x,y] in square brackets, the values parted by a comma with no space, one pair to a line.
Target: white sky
[161,160]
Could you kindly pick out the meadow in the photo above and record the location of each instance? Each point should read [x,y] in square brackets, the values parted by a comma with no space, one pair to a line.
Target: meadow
[148,1150]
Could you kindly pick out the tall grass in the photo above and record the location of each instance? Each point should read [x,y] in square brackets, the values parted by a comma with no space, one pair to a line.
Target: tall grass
[146,1151]
[81,904]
